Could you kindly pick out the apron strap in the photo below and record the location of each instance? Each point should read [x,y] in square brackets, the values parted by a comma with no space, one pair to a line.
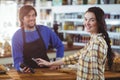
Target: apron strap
[24,37]
[23,33]
[40,36]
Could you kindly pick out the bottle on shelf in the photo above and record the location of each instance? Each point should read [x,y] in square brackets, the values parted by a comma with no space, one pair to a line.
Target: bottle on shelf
[69,41]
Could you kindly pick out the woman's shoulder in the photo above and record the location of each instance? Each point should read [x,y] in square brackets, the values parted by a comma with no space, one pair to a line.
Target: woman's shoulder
[98,38]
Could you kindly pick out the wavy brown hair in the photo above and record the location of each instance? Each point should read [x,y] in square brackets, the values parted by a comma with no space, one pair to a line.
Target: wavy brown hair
[100,17]
[24,10]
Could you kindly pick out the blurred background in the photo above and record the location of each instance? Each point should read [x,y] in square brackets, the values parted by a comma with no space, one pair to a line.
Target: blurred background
[66,15]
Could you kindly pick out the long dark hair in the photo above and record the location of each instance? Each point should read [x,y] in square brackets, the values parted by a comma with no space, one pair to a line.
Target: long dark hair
[99,14]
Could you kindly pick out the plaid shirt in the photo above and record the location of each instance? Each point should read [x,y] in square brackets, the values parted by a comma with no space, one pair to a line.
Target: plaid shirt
[90,59]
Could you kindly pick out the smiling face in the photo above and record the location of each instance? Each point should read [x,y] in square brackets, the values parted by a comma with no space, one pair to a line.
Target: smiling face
[90,23]
[29,20]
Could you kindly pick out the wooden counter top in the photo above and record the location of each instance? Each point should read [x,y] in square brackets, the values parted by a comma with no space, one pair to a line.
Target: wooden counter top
[47,74]
[112,75]
[40,74]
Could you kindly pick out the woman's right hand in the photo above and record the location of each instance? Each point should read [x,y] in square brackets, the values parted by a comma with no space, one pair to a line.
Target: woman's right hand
[42,62]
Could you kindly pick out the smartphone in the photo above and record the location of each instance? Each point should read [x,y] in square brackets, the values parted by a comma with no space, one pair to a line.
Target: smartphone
[22,65]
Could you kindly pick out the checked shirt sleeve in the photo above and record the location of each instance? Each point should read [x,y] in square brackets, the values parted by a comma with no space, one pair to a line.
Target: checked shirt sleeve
[73,59]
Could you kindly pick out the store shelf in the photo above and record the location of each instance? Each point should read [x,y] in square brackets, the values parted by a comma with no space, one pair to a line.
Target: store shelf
[113,21]
[74,32]
[112,34]
[112,8]
[83,44]
[108,21]
[115,47]
[79,44]
[44,10]
[75,43]
[75,22]
[46,21]
[46,7]
[68,13]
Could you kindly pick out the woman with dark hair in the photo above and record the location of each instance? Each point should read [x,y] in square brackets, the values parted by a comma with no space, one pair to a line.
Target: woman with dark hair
[102,29]
[91,58]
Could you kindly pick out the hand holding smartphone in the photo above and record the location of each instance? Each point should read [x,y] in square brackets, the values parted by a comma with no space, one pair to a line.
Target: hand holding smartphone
[26,68]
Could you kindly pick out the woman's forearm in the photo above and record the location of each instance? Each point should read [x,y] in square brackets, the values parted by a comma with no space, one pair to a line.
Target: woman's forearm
[56,63]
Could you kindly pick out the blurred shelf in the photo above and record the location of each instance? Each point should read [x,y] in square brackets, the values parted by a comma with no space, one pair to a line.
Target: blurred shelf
[111,8]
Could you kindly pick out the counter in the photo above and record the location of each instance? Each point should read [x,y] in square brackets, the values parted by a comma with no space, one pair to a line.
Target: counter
[47,74]
[110,75]
[40,74]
